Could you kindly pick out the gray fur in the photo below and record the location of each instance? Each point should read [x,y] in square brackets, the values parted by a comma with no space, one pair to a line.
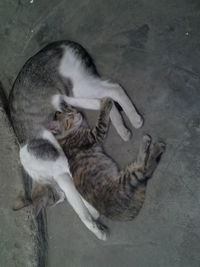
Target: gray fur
[117,194]
[43,149]
[30,98]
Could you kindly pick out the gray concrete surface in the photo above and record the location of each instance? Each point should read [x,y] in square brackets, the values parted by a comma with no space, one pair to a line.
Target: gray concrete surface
[18,232]
[153,49]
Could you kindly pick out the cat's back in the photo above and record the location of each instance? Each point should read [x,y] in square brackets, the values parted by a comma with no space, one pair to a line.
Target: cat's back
[38,80]
[30,96]
[91,168]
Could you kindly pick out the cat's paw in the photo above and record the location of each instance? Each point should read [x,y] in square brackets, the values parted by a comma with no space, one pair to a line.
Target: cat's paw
[146,141]
[138,121]
[102,235]
[158,149]
[99,229]
[106,104]
[103,232]
[161,146]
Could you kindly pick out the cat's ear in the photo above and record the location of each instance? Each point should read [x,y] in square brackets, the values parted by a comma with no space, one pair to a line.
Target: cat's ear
[53,126]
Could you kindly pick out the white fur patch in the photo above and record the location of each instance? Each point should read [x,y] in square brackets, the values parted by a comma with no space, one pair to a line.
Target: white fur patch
[44,171]
[85,85]
[72,67]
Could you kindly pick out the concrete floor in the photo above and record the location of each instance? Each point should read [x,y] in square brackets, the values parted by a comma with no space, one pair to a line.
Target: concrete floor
[152,48]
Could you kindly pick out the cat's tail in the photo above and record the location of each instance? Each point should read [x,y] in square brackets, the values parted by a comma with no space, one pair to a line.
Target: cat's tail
[60,102]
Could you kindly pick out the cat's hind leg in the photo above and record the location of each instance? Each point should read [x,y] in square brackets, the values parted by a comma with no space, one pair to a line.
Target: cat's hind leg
[154,158]
[134,173]
[58,195]
[117,93]
[147,160]
[92,87]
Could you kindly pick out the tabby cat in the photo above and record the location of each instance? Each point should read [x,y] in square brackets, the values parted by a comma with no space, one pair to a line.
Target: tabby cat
[116,194]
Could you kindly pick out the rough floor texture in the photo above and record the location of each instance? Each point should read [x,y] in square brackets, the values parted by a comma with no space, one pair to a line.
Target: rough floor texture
[18,235]
[153,49]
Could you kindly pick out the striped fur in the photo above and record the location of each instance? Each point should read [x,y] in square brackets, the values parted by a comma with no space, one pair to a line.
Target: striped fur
[116,194]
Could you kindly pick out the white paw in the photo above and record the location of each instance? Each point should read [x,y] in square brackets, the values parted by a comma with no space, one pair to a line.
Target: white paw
[102,235]
[100,231]
[95,214]
[146,142]
[55,101]
[126,135]
[138,121]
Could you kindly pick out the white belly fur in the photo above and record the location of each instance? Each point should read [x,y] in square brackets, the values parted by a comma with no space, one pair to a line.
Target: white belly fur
[44,171]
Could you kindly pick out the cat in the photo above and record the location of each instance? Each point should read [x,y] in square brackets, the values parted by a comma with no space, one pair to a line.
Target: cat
[62,67]
[117,194]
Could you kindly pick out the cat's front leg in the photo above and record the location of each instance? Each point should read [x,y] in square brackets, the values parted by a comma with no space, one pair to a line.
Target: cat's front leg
[117,93]
[67,185]
[95,214]
[118,123]
[100,130]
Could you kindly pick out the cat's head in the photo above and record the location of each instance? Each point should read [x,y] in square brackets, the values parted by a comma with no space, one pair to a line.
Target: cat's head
[65,122]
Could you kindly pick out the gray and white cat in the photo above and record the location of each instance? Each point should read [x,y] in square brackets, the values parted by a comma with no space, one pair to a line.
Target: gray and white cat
[61,68]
